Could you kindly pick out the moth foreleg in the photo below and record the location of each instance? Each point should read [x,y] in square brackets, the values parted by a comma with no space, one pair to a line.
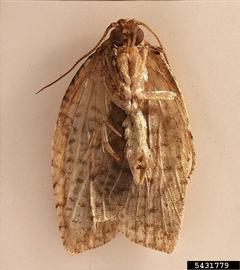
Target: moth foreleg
[157,95]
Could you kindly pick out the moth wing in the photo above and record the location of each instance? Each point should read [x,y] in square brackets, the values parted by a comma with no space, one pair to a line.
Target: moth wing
[89,185]
[153,211]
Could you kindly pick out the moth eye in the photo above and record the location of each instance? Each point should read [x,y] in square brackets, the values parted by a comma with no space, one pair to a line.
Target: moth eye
[117,36]
[140,36]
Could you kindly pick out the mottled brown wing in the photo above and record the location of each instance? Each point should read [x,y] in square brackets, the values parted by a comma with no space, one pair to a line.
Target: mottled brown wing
[153,211]
[89,185]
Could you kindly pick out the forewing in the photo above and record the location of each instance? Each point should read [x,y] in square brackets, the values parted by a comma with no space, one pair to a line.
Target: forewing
[153,211]
[89,185]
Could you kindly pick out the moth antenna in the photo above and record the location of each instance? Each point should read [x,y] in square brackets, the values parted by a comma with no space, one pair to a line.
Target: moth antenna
[79,60]
[152,32]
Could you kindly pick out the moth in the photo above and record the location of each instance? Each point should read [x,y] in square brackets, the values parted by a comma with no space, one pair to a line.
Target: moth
[122,151]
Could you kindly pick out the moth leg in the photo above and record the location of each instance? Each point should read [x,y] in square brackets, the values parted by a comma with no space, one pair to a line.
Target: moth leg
[92,143]
[114,130]
[105,143]
[104,135]
[106,147]
[157,95]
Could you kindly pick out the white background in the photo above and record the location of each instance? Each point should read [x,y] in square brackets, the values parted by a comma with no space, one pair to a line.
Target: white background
[41,40]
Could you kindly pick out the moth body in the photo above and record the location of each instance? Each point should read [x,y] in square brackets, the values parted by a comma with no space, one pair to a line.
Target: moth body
[129,67]
[122,150]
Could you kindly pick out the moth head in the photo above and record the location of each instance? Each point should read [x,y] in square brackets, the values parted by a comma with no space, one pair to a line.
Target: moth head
[127,32]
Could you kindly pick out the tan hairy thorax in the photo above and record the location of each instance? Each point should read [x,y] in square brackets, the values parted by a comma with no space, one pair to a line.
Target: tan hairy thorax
[122,150]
